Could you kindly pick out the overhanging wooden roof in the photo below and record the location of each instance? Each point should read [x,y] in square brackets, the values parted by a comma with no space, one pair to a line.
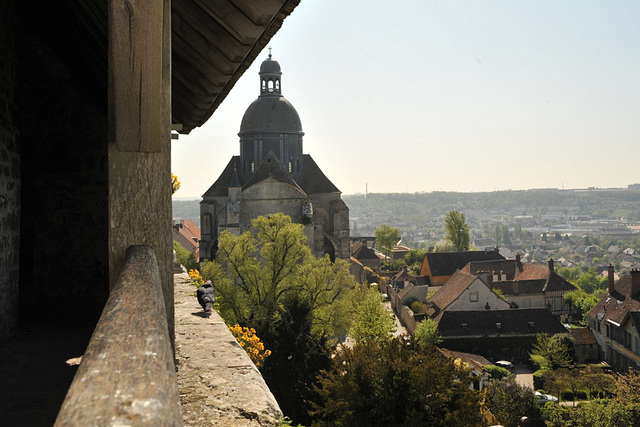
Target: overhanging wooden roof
[214,42]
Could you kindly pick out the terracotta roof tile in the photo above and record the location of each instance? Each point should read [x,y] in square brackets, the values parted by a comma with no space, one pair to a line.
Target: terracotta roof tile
[452,289]
[582,336]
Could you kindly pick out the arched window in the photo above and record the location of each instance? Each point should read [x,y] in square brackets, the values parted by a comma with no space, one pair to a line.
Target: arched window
[270,85]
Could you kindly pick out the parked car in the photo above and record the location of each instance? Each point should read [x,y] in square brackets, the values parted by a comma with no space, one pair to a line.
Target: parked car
[541,399]
[506,365]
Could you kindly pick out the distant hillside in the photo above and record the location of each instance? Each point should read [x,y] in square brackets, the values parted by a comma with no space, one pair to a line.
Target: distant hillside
[187,209]
[427,210]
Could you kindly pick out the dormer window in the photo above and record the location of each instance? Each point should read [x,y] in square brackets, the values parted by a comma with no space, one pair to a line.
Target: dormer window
[463,325]
[498,325]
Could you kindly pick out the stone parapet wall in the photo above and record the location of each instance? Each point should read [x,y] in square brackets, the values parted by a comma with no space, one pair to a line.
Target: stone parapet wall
[219,385]
[9,179]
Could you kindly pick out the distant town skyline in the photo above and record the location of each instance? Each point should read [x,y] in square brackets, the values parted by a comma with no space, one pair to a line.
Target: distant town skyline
[448,96]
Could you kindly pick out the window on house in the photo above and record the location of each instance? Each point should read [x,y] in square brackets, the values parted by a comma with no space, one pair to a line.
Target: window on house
[473,296]
[636,348]
[538,303]
[526,303]
[598,326]
[557,303]
[498,325]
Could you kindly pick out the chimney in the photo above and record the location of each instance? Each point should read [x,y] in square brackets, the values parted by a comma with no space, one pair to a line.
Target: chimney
[551,270]
[635,281]
[610,271]
[484,276]
[518,262]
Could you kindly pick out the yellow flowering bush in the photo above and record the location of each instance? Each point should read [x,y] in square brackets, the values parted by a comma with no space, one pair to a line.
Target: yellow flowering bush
[175,184]
[196,277]
[251,343]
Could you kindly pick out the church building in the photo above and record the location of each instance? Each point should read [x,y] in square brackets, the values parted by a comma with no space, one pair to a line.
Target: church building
[272,175]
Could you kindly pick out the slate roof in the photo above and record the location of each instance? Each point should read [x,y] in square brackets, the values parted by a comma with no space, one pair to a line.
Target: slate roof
[271,168]
[512,322]
[446,263]
[616,305]
[221,186]
[525,287]
[312,180]
[364,252]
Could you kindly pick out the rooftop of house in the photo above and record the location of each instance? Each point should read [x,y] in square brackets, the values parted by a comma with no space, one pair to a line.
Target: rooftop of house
[452,289]
[446,263]
[582,336]
[475,361]
[187,229]
[508,322]
[364,253]
[622,298]
[529,278]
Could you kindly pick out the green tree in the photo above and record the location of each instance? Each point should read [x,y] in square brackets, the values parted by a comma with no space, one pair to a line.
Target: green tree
[392,383]
[270,281]
[298,354]
[517,231]
[371,322]
[184,257]
[387,238]
[591,281]
[457,230]
[550,351]
[506,238]
[582,302]
[426,333]
[509,401]
[256,272]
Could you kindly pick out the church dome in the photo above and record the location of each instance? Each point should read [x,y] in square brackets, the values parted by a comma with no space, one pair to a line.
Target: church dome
[270,66]
[270,114]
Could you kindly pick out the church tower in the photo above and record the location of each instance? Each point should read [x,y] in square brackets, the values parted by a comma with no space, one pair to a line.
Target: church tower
[271,123]
[271,175]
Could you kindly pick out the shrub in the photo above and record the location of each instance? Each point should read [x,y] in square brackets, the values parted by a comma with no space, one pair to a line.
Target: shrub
[538,378]
[250,342]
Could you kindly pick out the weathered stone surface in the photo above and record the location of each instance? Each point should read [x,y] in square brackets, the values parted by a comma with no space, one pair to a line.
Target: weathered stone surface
[219,385]
[10,182]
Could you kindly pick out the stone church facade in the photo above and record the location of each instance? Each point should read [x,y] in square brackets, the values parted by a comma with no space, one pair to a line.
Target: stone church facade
[272,175]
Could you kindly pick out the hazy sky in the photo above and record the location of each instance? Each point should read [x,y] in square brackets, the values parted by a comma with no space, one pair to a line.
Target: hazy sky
[450,95]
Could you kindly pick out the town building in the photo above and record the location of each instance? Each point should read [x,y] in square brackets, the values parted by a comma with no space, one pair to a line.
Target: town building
[615,322]
[526,285]
[272,174]
[187,234]
[438,267]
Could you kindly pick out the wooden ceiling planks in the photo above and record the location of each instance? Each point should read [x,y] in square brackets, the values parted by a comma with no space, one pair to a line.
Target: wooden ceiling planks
[214,42]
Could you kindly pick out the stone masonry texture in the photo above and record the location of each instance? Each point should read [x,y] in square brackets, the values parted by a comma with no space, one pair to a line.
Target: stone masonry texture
[9,179]
[219,385]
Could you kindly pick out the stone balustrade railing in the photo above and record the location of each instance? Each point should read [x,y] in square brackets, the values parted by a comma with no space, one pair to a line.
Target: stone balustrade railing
[127,375]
